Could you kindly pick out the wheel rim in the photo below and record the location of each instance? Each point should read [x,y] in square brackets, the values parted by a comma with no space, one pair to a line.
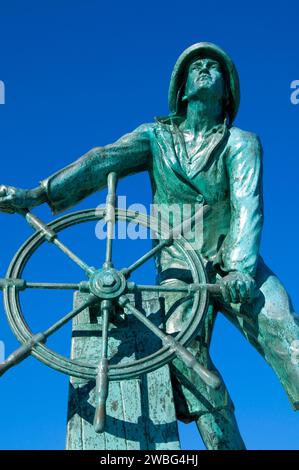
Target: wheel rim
[88,371]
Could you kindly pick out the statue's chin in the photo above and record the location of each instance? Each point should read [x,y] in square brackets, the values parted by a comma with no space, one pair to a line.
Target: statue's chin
[204,90]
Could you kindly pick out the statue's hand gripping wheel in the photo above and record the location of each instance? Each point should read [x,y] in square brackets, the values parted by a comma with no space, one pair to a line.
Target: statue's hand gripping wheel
[108,287]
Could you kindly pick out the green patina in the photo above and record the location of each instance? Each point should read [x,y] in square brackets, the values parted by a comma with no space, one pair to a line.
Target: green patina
[195,156]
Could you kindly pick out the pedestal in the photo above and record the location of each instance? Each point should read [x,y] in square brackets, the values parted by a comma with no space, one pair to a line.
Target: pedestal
[140,412]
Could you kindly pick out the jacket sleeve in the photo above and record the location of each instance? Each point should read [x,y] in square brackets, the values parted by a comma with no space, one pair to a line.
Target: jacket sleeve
[240,249]
[129,154]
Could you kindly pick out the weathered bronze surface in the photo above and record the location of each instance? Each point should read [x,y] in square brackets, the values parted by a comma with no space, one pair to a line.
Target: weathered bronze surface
[106,292]
[137,416]
[194,156]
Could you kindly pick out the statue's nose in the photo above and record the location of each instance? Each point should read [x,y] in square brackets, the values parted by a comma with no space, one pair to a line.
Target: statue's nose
[205,71]
[204,68]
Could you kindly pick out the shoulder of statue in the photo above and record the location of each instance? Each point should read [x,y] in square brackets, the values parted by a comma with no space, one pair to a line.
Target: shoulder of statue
[241,139]
[145,128]
[143,133]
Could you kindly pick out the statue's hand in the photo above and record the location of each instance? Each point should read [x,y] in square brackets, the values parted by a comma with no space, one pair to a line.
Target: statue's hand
[13,199]
[237,287]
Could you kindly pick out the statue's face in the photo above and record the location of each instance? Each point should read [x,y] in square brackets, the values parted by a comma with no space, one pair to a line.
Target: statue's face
[204,77]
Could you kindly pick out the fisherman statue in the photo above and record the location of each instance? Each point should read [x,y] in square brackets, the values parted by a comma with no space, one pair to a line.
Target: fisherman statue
[196,156]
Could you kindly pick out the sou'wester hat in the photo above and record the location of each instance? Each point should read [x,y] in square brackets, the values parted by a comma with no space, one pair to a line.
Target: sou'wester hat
[178,77]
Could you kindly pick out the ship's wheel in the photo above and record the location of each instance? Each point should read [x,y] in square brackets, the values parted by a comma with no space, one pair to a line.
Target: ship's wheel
[107,287]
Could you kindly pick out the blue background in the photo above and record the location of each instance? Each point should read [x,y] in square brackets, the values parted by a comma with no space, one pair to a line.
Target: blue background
[82,73]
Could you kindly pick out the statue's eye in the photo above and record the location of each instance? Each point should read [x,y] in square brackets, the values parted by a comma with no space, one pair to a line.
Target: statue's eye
[197,66]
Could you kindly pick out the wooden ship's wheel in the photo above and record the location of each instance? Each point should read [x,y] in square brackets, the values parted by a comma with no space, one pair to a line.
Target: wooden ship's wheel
[106,288]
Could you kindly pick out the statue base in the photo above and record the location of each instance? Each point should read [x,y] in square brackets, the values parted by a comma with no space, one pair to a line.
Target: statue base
[140,412]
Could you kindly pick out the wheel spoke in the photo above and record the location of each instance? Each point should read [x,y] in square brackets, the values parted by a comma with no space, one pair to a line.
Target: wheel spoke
[132,287]
[174,233]
[81,286]
[21,284]
[110,217]
[87,269]
[210,378]
[102,383]
[128,271]
[124,302]
[25,350]
[91,299]
[213,289]
[52,237]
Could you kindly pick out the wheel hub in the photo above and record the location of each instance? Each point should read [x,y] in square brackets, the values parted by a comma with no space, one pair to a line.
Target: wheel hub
[107,283]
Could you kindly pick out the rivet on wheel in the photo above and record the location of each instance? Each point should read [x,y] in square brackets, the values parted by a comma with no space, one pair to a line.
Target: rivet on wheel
[108,280]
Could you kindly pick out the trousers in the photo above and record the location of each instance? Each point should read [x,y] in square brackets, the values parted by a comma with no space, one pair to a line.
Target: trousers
[269,323]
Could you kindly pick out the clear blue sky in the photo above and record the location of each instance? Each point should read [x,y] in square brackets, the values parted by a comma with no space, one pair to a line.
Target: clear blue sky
[82,73]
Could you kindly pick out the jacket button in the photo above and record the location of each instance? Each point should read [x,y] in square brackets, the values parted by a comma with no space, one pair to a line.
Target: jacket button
[200,198]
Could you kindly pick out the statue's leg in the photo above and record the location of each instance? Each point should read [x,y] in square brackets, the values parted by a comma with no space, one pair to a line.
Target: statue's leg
[213,410]
[272,326]
[219,430]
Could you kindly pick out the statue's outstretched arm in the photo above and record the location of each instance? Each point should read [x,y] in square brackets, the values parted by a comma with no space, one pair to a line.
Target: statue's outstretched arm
[78,180]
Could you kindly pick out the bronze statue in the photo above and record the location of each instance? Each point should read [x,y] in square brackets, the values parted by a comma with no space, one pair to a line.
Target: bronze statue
[196,156]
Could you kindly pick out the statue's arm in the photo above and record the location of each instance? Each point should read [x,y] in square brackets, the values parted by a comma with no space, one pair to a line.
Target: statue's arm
[244,166]
[68,186]
[128,155]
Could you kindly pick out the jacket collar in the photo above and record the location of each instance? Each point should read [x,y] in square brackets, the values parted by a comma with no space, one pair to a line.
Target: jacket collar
[175,152]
